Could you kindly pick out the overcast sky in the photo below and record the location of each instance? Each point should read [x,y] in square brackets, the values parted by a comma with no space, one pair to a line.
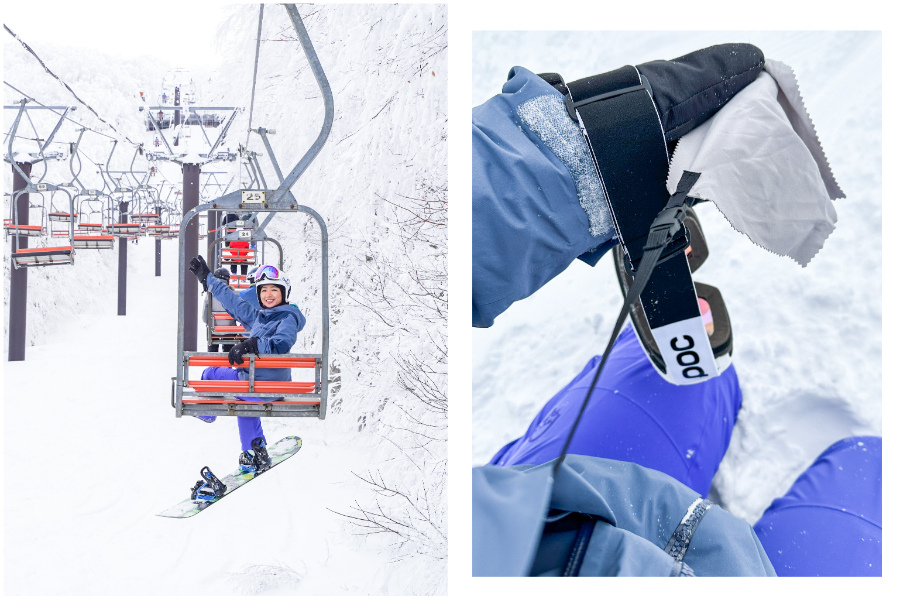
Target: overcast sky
[180,32]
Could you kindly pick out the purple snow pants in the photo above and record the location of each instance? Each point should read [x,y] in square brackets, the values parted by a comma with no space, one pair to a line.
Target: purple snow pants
[249,428]
[829,523]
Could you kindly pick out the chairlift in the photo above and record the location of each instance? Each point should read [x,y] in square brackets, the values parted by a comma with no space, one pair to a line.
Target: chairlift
[41,256]
[92,232]
[56,215]
[12,228]
[144,212]
[90,217]
[280,398]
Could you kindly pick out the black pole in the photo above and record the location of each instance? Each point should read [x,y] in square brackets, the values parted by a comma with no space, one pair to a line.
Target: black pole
[18,280]
[176,120]
[123,259]
[158,250]
[191,198]
[177,104]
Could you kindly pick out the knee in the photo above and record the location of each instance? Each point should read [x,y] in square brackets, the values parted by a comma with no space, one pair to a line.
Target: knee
[218,374]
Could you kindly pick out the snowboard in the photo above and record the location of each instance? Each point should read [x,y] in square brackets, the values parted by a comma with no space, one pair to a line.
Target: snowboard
[279,452]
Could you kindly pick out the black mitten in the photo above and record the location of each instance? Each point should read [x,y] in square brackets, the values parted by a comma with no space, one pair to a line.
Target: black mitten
[689,89]
[248,346]
[198,267]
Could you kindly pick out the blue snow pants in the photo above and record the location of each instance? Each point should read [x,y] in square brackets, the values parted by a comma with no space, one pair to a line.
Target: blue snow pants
[829,522]
[635,415]
[832,512]
[249,428]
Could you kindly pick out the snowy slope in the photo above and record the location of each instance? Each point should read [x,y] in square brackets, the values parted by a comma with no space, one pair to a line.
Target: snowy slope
[808,342]
[93,392]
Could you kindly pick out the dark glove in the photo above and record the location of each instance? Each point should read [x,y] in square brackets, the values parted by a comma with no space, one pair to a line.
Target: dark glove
[689,89]
[198,267]
[236,353]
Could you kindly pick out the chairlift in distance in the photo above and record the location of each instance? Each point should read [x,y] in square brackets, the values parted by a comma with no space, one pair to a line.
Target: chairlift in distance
[40,256]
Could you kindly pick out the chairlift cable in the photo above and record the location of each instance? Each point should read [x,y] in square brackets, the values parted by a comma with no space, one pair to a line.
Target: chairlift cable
[47,69]
[67,118]
[255,67]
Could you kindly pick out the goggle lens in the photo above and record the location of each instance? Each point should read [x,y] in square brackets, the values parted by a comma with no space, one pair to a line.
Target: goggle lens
[266,272]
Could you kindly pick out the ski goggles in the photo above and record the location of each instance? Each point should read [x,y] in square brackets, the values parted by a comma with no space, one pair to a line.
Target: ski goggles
[266,272]
[666,310]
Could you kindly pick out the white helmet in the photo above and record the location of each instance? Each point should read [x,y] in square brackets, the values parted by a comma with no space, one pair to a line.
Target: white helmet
[268,274]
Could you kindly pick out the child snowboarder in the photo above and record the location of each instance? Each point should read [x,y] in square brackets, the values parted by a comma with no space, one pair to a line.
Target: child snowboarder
[273,325]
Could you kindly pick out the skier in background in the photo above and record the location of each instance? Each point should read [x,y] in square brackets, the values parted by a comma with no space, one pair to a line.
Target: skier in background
[273,325]
[628,497]
[243,263]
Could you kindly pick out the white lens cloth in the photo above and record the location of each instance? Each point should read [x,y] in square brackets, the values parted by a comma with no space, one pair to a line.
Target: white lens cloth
[763,167]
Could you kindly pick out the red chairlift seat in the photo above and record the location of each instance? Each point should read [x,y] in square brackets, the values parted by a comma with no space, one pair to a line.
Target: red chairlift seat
[89,227]
[55,232]
[41,257]
[238,256]
[239,282]
[125,229]
[146,218]
[94,242]
[61,217]
[26,230]
[212,397]
[157,230]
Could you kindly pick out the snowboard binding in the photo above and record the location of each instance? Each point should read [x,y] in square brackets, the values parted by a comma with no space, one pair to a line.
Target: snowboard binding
[258,460]
[208,489]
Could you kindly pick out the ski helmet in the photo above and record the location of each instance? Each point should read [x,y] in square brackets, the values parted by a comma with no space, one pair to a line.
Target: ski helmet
[223,274]
[268,274]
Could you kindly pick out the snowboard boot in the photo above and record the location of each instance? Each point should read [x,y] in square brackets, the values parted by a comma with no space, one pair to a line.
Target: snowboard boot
[205,419]
[207,489]
[255,460]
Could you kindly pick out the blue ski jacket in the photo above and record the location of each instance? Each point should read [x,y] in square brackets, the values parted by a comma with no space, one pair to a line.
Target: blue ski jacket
[530,210]
[644,523]
[275,328]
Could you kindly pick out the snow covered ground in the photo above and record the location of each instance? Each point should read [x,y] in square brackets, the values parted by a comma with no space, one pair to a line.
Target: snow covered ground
[92,450]
[808,342]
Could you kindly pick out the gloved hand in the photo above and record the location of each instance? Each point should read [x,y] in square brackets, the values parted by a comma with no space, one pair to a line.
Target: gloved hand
[248,346]
[689,89]
[199,268]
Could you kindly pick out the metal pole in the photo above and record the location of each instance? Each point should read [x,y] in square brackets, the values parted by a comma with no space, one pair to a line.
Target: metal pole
[158,249]
[177,104]
[212,223]
[123,260]
[18,284]
[191,199]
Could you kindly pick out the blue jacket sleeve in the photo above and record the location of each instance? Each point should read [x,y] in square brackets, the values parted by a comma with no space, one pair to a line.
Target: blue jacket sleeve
[528,217]
[236,306]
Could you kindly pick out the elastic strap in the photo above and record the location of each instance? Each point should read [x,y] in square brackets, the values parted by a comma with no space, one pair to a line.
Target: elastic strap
[668,222]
